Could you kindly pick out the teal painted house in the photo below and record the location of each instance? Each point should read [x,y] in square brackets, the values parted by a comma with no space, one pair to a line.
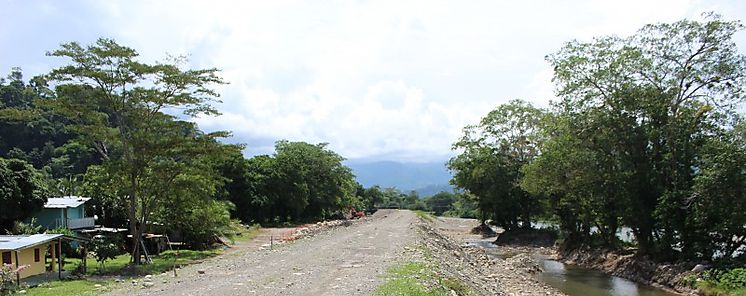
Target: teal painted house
[68,212]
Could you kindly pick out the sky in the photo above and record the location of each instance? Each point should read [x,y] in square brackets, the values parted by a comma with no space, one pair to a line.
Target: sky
[377,80]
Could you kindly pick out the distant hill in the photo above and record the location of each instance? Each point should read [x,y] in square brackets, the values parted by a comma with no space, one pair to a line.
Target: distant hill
[431,190]
[425,178]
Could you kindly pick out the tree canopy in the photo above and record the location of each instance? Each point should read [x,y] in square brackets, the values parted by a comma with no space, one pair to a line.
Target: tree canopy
[639,138]
[22,191]
[118,105]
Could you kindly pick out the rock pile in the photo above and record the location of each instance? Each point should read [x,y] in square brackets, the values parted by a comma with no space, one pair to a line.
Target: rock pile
[310,230]
[485,274]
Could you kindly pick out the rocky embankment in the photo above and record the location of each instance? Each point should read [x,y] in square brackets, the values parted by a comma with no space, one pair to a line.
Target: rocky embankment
[484,274]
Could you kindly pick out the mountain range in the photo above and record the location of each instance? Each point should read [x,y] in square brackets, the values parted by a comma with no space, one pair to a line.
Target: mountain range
[426,178]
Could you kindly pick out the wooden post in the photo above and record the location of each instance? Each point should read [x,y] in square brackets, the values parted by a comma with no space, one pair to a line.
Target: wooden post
[54,257]
[59,262]
[84,260]
[18,272]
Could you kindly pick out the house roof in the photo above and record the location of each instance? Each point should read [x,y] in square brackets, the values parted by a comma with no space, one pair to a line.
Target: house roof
[65,202]
[20,242]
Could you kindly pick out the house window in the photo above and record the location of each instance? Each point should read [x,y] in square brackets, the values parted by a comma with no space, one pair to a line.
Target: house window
[6,258]
[37,258]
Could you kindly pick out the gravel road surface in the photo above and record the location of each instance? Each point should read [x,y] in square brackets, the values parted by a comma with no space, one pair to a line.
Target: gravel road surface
[342,261]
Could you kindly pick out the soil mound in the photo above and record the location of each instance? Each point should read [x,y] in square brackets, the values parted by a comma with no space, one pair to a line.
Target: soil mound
[526,237]
[484,230]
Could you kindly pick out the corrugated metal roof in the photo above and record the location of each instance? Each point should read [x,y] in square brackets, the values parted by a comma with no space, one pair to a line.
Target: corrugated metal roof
[65,202]
[19,242]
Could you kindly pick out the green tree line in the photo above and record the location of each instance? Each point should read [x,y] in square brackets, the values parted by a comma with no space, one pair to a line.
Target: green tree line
[646,133]
[111,127]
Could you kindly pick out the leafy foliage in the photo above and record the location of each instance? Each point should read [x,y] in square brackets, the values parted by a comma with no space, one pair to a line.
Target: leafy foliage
[631,136]
[489,166]
[646,134]
[116,104]
[22,191]
[22,228]
[300,181]
[105,248]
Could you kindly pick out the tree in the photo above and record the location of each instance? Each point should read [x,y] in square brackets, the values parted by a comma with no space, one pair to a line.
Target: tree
[719,195]
[22,191]
[440,202]
[117,105]
[31,131]
[633,123]
[371,197]
[104,249]
[234,168]
[489,165]
[312,181]
[464,206]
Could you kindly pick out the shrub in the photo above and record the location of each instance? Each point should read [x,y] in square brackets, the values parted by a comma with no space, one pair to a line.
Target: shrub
[733,279]
[105,248]
[723,282]
[8,284]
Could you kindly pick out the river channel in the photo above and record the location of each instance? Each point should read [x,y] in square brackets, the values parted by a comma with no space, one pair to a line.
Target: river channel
[579,281]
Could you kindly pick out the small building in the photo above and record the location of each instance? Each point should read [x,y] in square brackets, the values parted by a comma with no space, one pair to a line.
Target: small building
[29,251]
[67,212]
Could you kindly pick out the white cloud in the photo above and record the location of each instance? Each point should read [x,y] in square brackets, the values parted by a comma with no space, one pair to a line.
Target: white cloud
[392,79]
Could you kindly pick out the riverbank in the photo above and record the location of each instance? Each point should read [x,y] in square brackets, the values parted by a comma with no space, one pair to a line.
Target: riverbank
[674,278]
[610,271]
[473,265]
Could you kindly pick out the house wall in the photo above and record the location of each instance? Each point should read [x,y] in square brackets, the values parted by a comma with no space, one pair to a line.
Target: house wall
[48,217]
[76,212]
[26,257]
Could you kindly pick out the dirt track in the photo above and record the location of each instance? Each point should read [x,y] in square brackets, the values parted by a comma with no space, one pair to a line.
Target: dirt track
[342,261]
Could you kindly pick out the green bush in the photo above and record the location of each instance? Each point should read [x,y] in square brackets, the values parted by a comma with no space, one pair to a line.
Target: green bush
[733,279]
[723,282]
[105,248]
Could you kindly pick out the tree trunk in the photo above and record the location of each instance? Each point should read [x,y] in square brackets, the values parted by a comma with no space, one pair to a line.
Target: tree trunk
[134,229]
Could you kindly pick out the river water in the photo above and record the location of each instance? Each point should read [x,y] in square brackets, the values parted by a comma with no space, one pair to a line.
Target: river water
[573,280]
[578,281]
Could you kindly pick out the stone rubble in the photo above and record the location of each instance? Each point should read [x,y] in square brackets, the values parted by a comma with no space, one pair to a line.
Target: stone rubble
[310,230]
[486,275]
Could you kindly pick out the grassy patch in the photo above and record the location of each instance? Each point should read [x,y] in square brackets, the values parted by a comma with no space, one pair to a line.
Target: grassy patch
[419,279]
[117,266]
[69,287]
[121,266]
[424,216]
[244,234]
[408,279]
[161,263]
[456,285]
[708,288]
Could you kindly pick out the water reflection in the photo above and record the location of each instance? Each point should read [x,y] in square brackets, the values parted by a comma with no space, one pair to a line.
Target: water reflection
[581,281]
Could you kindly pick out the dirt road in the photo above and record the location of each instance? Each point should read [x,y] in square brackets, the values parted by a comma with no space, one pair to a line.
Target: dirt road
[342,261]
